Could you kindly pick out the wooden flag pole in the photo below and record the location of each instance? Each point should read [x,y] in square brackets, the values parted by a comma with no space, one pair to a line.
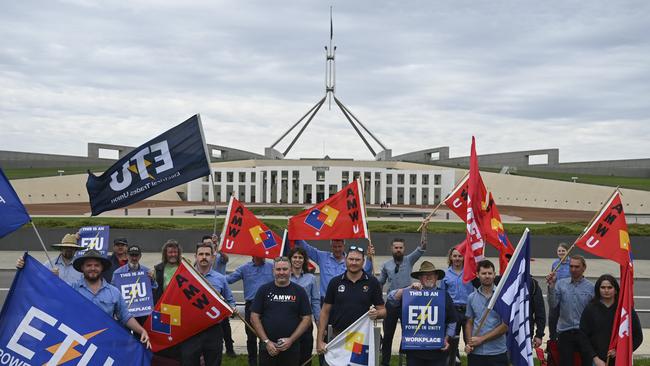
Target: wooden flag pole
[365,213]
[42,243]
[425,222]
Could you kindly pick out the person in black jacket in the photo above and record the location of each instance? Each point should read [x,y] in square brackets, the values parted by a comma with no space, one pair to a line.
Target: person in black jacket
[171,258]
[598,319]
[537,312]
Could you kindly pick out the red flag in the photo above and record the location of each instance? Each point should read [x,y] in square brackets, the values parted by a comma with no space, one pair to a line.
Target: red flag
[621,339]
[491,224]
[607,235]
[475,242]
[245,234]
[188,306]
[287,245]
[342,216]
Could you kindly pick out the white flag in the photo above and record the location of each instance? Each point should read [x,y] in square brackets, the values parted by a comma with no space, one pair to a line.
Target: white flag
[354,346]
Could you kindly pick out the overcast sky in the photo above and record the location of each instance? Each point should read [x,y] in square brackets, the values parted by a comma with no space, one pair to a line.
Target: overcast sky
[518,75]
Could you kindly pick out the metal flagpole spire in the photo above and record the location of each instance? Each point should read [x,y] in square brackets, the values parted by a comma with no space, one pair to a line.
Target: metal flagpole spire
[330,65]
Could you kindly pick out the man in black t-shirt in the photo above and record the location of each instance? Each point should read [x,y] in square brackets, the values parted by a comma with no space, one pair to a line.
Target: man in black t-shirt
[348,297]
[280,313]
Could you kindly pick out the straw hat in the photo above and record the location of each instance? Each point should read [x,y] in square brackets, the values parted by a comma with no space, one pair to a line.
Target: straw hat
[68,241]
[428,267]
[91,254]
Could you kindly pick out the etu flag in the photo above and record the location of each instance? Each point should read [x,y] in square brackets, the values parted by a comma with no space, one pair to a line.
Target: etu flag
[243,233]
[177,156]
[13,214]
[342,216]
[44,321]
[511,300]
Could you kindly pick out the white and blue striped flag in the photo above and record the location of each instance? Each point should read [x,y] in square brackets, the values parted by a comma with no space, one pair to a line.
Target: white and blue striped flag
[512,301]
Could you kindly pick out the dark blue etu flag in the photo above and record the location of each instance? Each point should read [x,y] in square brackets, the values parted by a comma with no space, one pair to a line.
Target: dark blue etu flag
[45,321]
[13,214]
[177,156]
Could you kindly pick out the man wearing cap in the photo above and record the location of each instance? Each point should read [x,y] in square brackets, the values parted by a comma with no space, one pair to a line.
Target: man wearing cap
[349,296]
[118,258]
[429,278]
[396,272]
[62,265]
[133,265]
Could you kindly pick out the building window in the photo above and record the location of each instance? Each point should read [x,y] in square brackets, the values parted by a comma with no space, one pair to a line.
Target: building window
[217,177]
[229,177]
[413,179]
[356,174]
[425,179]
[389,179]
[436,179]
[242,176]
[377,176]
[320,175]
[400,178]
[253,178]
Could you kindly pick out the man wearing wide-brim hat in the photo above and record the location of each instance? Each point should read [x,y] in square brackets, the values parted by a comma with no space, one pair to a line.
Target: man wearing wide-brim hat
[62,264]
[429,278]
[95,288]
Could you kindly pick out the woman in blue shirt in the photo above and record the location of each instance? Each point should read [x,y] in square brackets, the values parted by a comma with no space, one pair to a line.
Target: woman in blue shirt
[301,276]
[562,272]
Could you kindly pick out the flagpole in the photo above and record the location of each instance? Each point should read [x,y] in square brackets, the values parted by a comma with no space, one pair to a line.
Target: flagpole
[189,265]
[214,196]
[425,222]
[42,244]
[456,187]
[365,223]
[497,291]
[609,200]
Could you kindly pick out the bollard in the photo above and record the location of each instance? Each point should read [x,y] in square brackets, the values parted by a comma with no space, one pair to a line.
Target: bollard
[447,215]
[171,212]
[148,212]
[126,212]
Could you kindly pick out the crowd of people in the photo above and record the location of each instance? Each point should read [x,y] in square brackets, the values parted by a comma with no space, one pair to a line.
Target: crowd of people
[284,301]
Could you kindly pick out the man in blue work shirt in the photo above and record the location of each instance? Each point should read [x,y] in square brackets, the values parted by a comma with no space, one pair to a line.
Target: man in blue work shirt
[488,346]
[397,272]
[62,265]
[208,343]
[219,265]
[332,263]
[254,274]
[133,265]
[118,258]
[572,296]
[94,288]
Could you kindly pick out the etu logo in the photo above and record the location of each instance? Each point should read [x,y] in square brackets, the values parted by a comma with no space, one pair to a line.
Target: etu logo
[418,315]
[138,165]
[133,290]
[93,243]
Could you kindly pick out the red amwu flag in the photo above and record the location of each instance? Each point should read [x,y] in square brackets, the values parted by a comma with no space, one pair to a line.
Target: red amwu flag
[188,306]
[342,216]
[492,226]
[475,242]
[607,237]
[243,233]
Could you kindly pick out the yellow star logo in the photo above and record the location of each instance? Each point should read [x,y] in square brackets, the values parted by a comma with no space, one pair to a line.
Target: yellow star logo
[134,168]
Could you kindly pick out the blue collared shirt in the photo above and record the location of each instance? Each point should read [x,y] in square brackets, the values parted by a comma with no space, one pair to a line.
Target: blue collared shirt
[308,282]
[66,271]
[458,290]
[219,264]
[450,329]
[126,269]
[572,297]
[328,265]
[402,278]
[253,277]
[563,270]
[108,299]
[220,283]
[477,302]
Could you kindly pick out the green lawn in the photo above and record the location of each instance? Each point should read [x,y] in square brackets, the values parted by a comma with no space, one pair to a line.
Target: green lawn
[279,225]
[22,173]
[603,180]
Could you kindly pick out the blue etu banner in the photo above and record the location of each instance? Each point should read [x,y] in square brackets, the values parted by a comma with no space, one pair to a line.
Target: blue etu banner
[45,321]
[93,237]
[13,214]
[135,288]
[177,156]
[423,319]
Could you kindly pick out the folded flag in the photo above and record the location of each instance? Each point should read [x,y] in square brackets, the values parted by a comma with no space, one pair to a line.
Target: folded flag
[475,239]
[621,339]
[188,306]
[342,216]
[177,156]
[243,233]
[13,214]
[355,346]
[44,321]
